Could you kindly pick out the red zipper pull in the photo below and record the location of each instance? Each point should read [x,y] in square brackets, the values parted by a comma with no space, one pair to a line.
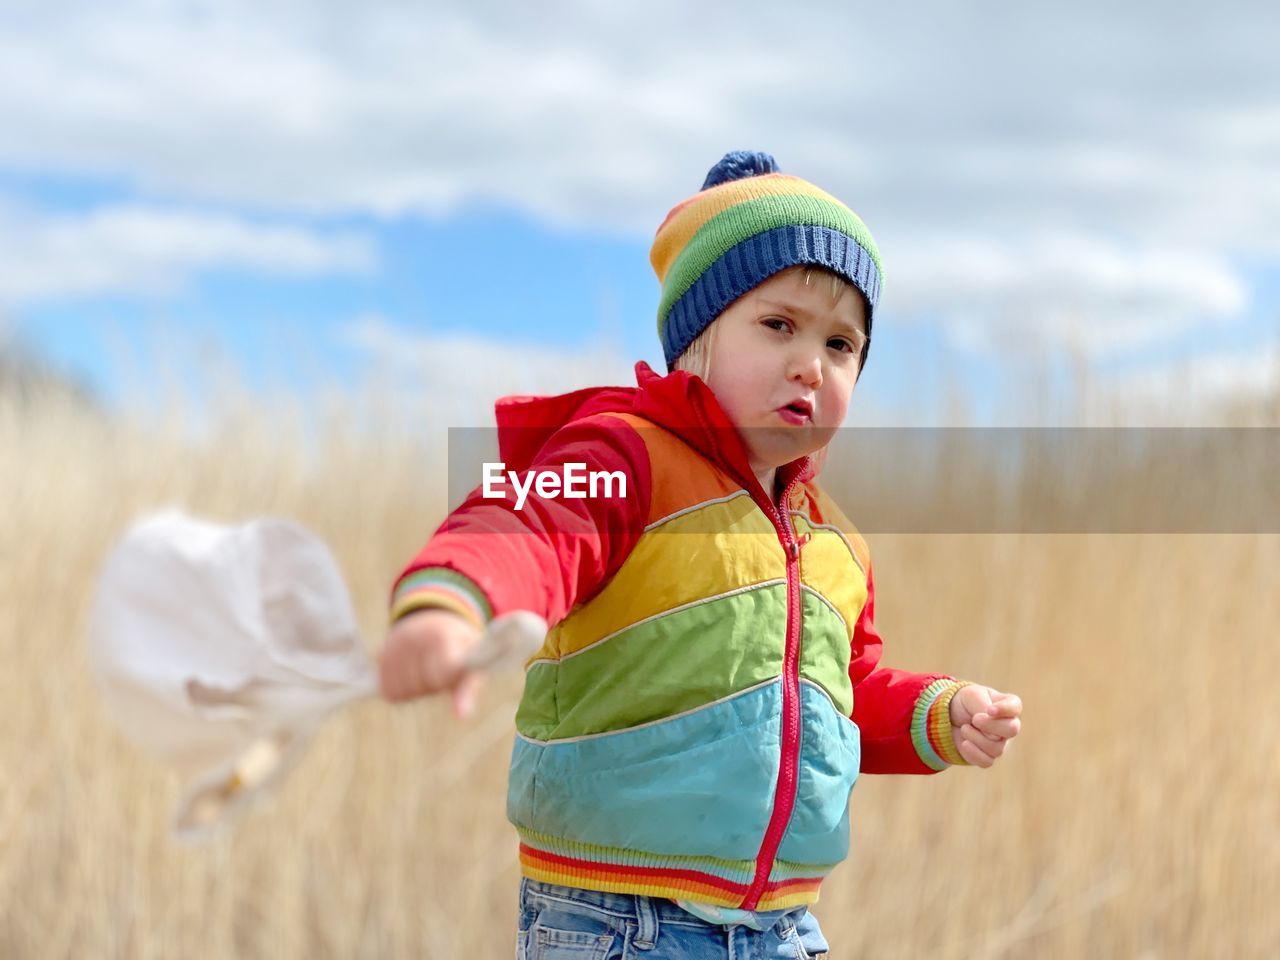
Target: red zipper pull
[793,548]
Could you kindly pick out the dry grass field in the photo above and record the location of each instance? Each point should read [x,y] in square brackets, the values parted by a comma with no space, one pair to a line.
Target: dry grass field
[1138,816]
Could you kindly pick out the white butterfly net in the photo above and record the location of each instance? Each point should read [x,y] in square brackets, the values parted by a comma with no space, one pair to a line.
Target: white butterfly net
[220,650]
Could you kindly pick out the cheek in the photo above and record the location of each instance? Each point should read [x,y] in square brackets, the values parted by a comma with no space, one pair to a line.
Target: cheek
[841,409]
[727,394]
[838,399]
[737,386]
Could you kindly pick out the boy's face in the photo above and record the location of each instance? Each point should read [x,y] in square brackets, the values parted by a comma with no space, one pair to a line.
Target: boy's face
[783,364]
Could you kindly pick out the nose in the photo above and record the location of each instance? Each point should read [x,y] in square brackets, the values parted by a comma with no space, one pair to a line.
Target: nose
[805,366]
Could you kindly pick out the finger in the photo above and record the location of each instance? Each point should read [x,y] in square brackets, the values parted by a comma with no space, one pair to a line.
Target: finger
[982,723]
[389,678]
[999,729]
[991,747]
[973,755]
[467,692]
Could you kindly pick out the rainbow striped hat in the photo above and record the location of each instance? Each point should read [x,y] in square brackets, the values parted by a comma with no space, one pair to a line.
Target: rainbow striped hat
[747,223]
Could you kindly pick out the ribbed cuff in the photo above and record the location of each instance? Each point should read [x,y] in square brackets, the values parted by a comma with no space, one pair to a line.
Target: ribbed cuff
[931,725]
[440,587]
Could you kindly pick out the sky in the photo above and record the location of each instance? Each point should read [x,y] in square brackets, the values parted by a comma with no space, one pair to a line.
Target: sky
[456,202]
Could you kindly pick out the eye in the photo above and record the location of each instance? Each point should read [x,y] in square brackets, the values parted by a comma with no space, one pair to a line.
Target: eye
[841,344]
[776,323]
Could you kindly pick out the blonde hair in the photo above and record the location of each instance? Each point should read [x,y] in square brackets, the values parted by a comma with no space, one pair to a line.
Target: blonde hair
[696,358]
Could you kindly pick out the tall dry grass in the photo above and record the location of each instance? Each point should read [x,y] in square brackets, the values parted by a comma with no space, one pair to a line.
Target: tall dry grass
[1137,815]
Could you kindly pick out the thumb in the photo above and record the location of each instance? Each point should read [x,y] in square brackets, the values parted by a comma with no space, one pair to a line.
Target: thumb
[969,700]
[466,692]
[1005,704]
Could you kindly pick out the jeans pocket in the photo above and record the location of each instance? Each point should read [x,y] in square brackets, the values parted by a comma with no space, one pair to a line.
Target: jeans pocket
[569,934]
[548,943]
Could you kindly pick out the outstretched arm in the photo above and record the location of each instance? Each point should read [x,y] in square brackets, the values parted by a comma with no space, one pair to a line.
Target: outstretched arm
[494,556]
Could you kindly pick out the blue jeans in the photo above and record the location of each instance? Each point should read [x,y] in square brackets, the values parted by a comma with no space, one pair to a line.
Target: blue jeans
[564,923]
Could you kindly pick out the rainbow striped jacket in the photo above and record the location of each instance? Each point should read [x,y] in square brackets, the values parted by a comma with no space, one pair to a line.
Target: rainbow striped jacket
[708,691]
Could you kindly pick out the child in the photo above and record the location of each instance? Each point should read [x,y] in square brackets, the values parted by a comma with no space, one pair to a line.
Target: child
[709,691]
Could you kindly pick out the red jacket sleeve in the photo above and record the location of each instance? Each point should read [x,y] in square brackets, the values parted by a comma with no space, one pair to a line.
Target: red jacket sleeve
[893,708]
[489,558]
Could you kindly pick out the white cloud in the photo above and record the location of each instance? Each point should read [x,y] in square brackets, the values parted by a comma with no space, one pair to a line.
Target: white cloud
[1060,290]
[454,379]
[1146,130]
[601,113]
[148,249]
[1214,388]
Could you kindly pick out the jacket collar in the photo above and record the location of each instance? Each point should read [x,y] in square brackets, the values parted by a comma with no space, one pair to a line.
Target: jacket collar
[679,402]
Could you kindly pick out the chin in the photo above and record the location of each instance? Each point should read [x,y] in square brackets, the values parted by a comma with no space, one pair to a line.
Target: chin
[780,456]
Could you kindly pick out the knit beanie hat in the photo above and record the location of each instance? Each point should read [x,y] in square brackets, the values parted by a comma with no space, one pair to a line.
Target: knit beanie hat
[747,223]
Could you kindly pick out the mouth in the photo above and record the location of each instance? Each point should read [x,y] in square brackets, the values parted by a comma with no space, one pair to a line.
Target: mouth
[797,412]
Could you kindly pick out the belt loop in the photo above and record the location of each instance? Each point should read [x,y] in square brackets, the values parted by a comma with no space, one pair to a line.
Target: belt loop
[646,924]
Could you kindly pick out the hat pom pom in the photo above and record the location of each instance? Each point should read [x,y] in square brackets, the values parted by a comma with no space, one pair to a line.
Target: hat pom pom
[738,164]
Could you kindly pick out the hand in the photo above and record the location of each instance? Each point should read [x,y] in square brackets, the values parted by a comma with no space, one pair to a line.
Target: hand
[426,652]
[983,721]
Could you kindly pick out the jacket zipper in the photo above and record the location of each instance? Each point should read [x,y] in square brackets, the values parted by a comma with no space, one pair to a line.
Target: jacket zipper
[784,796]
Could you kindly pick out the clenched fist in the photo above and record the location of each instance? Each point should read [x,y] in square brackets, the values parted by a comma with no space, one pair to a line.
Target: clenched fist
[983,721]
[427,652]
